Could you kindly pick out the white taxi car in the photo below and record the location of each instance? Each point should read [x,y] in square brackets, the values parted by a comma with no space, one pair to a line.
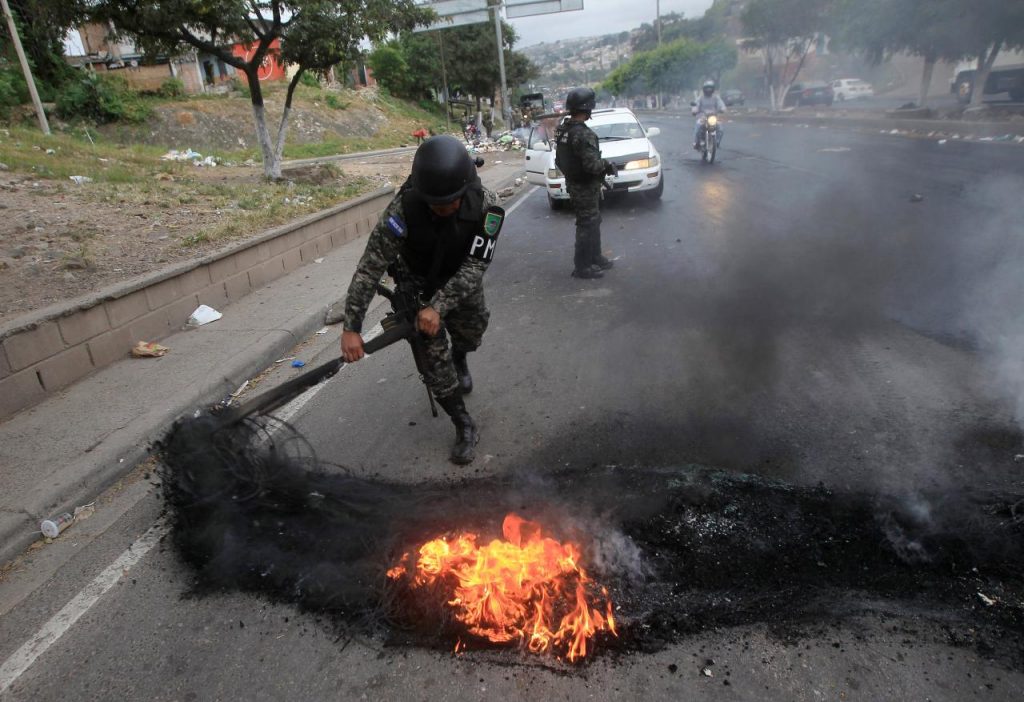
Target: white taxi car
[624,142]
[851,89]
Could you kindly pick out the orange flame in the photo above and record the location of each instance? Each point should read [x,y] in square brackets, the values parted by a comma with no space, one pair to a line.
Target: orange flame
[514,590]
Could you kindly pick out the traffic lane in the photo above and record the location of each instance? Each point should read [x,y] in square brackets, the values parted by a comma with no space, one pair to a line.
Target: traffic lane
[817,293]
[792,189]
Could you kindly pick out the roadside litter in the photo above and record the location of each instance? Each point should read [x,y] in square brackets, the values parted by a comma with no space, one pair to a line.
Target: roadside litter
[298,364]
[204,314]
[54,526]
[80,180]
[186,155]
[190,155]
[149,349]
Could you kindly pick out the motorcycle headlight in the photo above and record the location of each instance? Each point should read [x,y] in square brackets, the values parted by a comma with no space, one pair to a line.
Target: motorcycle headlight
[712,121]
[649,162]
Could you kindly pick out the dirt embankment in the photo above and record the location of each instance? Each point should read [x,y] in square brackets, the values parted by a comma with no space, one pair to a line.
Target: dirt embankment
[135,212]
[225,123]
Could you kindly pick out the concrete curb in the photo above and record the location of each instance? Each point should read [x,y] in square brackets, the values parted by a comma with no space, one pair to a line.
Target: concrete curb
[298,163]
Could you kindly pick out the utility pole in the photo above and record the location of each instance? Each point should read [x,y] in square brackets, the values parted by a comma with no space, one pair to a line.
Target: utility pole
[43,124]
[444,81]
[657,28]
[506,111]
[657,19]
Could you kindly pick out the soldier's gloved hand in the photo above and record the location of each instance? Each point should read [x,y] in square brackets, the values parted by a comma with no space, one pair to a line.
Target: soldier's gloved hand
[428,321]
[351,346]
[610,169]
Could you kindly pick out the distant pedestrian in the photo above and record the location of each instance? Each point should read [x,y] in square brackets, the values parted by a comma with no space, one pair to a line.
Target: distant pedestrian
[578,156]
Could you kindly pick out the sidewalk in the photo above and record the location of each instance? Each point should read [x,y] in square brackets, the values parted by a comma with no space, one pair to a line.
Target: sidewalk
[66,450]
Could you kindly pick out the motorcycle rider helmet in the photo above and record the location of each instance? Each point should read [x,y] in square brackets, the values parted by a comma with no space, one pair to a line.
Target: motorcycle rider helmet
[442,170]
[580,100]
[709,88]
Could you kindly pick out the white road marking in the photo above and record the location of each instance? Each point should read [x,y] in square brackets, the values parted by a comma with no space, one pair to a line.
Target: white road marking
[521,200]
[22,659]
[289,410]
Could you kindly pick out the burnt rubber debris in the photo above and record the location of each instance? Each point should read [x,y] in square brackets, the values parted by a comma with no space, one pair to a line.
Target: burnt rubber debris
[679,550]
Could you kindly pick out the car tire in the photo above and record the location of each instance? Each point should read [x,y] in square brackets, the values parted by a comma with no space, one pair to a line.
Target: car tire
[840,97]
[655,195]
[554,204]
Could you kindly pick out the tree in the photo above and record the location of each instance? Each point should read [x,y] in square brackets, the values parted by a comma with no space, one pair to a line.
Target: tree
[879,28]
[671,68]
[784,31]
[42,25]
[390,69]
[314,35]
[989,26]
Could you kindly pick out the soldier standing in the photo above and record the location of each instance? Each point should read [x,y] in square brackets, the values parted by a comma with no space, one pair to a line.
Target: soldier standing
[578,156]
[437,234]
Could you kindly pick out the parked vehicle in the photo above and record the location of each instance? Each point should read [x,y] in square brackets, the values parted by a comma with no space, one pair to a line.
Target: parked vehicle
[624,141]
[708,137]
[851,89]
[810,93]
[733,97]
[1007,76]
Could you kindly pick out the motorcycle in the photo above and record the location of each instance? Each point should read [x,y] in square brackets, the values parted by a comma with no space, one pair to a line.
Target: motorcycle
[707,138]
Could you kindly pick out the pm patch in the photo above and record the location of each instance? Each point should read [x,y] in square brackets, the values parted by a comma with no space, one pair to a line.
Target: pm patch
[396,225]
[483,244]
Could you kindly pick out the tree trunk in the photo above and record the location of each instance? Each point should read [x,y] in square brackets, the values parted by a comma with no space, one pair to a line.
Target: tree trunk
[926,80]
[981,75]
[282,129]
[262,133]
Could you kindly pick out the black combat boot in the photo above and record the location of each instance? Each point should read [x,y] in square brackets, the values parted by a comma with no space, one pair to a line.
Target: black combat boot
[466,435]
[462,370]
[582,266]
[596,257]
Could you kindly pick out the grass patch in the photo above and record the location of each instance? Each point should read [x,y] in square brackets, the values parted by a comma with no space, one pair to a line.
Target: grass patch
[275,204]
[81,152]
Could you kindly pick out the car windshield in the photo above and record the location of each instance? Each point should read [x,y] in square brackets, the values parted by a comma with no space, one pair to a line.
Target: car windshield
[618,130]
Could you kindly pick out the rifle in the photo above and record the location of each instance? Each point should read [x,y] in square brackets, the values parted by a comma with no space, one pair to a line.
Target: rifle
[398,324]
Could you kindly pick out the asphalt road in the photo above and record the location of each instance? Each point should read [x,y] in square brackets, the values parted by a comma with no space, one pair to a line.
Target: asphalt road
[788,312]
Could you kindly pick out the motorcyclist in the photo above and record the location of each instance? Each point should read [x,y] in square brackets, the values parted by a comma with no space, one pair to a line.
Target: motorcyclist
[707,104]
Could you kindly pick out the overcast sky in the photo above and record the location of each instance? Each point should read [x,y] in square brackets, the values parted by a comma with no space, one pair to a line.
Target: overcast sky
[599,17]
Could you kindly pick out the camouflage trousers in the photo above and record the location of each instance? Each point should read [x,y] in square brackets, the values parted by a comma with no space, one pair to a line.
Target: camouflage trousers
[586,202]
[465,325]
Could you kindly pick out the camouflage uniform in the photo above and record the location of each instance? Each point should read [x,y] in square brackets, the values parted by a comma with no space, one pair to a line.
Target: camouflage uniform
[459,299]
[578,156]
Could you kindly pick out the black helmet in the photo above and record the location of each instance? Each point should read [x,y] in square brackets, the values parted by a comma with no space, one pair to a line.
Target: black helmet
[442,170]
[709,87]
[580,100]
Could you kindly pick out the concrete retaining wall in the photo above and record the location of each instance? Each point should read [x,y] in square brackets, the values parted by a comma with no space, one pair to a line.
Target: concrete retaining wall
[47,350]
